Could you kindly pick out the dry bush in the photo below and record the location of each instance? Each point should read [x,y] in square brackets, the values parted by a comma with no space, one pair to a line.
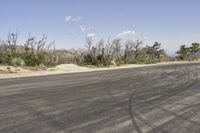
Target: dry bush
[116,52]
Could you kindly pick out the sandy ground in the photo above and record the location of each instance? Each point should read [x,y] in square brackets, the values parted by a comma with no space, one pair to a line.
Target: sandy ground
[14,72]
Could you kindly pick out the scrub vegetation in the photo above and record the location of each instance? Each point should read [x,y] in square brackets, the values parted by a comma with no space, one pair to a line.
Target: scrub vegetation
[40,52]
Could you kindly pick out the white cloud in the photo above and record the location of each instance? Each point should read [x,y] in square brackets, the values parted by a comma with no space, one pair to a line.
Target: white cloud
[77,18]
[126,34]
[73,19]
[90,35]
[82,28]
[86,29]
[68,18]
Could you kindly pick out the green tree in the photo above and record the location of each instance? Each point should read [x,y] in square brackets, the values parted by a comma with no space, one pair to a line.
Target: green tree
[154,53]
[183,53]
[195,50]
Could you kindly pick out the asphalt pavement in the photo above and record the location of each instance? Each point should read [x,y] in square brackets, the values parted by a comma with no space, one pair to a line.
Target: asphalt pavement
[153,99]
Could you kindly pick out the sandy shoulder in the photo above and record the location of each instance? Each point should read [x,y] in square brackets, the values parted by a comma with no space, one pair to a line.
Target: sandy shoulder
[15,72]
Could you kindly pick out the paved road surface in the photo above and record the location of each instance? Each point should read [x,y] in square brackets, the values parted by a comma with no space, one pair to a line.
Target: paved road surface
[158,99]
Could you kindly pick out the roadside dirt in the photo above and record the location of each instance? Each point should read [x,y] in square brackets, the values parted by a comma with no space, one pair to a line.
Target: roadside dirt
[13,72]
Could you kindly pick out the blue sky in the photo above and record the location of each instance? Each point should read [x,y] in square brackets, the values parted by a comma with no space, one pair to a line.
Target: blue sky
[68,22]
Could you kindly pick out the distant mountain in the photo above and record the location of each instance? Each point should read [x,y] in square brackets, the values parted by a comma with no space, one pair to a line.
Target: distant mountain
[72,50]
[75,50]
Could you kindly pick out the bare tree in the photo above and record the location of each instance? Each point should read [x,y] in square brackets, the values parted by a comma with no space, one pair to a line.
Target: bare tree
[101,51]
[12,43]
[89,43]
[137,49]
[132,51]
[116,47]
[129,51]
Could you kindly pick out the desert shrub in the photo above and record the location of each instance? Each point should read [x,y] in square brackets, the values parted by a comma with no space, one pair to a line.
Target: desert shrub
[33,52]
[88,59]
[78,57]
[18,61]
